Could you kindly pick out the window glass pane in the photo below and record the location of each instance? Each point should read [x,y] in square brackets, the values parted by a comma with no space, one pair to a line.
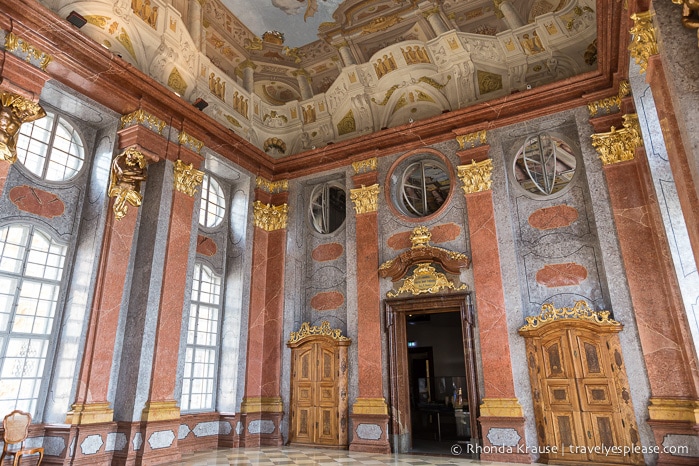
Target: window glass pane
[544,165]
[327,208]
[213,203]
[423,188]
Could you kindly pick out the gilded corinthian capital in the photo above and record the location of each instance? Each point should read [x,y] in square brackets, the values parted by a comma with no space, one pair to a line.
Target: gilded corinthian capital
[476,177]
[128,170]
[619,145]
[270,217]
[187,178]
[366,199]
[643,40]
[14,111]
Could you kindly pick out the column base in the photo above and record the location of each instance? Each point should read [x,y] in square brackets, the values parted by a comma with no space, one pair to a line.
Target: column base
[370,426]
[261,419]
[89,413]
[675,426]
[502,427]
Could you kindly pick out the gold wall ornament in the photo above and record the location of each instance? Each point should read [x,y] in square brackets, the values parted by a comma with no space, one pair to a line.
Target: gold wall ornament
[388,95]
[98,20]
[476,177]
[381,24]
[581,311]
[433,83]
[190,142]
[14,111]
[643,39]
[425,279]
[233,121]
[366,199]
[619,145]
[145,10]
[27,51]
[187,178]
[690,14]
[274,143]
[347,124]
[306,331]
[271,187]
[420,237]
[125,40]
[364,166]
[176,82]
[609,103]
[270,217]
[129,169]
[488,82]
[472,139]
[140,117]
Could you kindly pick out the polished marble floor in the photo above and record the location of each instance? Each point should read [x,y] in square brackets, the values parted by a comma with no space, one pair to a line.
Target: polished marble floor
[290,456]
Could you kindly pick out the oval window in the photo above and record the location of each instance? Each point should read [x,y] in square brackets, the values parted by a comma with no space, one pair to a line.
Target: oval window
[327,207]
[423,188]
[544,165]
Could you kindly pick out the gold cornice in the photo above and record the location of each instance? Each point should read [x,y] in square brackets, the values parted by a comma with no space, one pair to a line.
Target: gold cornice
[190,142]
[366,199]
[501,407]
[160,411]
[364,166]
[643,39]
[17,46]
[580,311]
[261,404]
[271,187]
[307,331]
[476,177]
[674,410]
[15,111]
[609,103]
[370,406]
[472,139]
[89,413]
[187,178]
[140,117]
[619,145]
[270,217]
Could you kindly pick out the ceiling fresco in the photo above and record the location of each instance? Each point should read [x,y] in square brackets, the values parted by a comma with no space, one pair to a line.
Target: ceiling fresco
[298,20]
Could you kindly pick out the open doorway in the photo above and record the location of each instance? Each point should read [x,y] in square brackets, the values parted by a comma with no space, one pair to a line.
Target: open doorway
[434,397]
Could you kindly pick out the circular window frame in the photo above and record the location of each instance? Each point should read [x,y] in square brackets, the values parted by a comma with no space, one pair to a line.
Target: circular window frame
[58,116]
[397,171]
[536,195]
[222,220]
[311,223]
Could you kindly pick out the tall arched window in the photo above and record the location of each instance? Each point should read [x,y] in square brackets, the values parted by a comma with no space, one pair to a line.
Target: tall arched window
[31,269]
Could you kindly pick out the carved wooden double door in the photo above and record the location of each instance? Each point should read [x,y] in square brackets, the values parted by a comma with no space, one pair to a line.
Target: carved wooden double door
[581,394]
[319,392]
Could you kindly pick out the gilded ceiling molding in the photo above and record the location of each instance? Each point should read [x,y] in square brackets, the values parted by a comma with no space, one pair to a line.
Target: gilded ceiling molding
[388,95]
[347,124]
[619,145]
[610,102]
[643,39]
[364,166]
[247,64]
[580,311]
[23,49]
[380,24]
[271,187]
[366,199]
[690,14]
[472,139]
[433,83]
[476,177]
[270,217]
[306,331]
[187,178]
[274,143]
[14,111]
[140,117]
[190,142]
[129,169]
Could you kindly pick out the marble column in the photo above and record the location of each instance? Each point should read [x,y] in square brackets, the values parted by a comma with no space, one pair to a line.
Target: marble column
[435,19]
[247,68]
[501,417]
[345,53]
[508,12]
[196,19]
[304,84]
[662,324]
[369,412]
[261,410]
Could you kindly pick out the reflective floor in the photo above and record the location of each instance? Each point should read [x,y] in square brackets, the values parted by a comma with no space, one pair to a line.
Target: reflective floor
[313,456]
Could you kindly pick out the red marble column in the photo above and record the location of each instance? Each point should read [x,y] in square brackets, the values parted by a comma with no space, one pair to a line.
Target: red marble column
[662,324]
[369,412]
[500,410]
[261,410]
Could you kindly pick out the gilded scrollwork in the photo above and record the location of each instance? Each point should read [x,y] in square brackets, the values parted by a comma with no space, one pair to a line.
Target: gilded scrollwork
[477,176]
[581,311]
[187,178]
[30,53]
[472,139]
[14,111]
[366,199]
[307,331]
[643,39]
[140,117]
[425,279]
[619,145]
[610,103]
[190,142]
[129,169]
[271,187]
[270,217]
[364,166]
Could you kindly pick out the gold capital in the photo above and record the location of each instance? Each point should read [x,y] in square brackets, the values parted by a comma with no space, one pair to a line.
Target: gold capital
[15,110]
[366,199]
[271,186]
[187,178]
[190,142]
[643,39]
[619,145]
[476,177]
[364,166]
[472,139]
[140,117]
[609,103]
[30,53]
[128,171]
[270,217]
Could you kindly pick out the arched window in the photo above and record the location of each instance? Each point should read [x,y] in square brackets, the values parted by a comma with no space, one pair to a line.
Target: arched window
[201,355]
[31,269]
[327,207]
[213,203]
[51,148]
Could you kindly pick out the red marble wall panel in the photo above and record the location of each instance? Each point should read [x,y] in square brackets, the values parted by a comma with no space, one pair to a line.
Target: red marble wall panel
[4,170]
[256,318]
[327,301]
[327,252]
[557,216]
[274,310]
[37,201]
[440,234]
[206,246]
[555,275]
